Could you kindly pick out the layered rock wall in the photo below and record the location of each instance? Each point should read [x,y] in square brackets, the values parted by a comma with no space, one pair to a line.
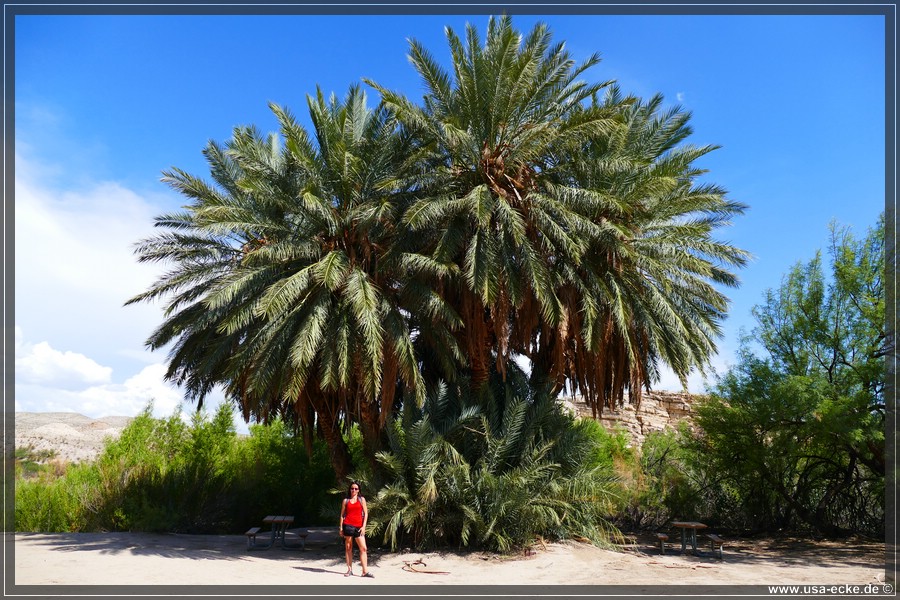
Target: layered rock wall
[658,411]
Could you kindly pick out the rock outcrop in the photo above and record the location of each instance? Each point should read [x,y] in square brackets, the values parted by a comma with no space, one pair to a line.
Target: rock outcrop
[659,410]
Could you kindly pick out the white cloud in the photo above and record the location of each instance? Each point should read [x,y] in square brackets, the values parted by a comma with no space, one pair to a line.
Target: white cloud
[679,96]
[74,270]
[697,384]
[110,399]
[42,363]
[49,380]
[75,267]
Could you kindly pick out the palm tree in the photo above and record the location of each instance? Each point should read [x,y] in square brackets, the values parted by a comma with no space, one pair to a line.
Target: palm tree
[322,275]
[568,228]
[296,298]
[498,214]
[644,291]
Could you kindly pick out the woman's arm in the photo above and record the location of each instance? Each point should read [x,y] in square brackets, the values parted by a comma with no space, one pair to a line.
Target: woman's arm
[365,511]
[343,512]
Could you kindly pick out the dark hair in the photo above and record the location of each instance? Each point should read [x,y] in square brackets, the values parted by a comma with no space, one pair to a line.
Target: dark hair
[352,483]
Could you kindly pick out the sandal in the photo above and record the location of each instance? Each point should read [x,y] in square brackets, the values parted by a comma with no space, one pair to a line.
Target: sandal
[369,574]
[348,573]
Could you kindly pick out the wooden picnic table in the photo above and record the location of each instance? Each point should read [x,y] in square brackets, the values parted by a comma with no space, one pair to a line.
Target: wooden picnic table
[279,525]
[686,526]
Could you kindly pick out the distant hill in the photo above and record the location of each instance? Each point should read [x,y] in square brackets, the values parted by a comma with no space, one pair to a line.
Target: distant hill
[73,437]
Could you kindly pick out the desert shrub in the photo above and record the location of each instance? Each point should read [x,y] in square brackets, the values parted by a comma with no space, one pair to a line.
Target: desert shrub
[169,475]
[668,482]
[32,463]
[794,432]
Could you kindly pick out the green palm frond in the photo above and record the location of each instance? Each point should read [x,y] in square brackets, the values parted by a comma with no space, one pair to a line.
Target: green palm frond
[519,210]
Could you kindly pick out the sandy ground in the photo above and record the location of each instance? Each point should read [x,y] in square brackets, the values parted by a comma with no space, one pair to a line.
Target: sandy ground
[56,561]
[172,559]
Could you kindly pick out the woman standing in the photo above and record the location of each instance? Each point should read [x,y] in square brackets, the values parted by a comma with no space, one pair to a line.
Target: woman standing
[354,517]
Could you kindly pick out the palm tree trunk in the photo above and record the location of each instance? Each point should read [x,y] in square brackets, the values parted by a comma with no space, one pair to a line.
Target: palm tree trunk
[338,452]
[371,432]
[476,337]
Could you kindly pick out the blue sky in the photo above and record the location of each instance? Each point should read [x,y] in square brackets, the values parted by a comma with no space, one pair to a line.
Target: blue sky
[103,104]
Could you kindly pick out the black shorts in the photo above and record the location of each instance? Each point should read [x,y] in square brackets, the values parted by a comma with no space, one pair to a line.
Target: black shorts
[352,531]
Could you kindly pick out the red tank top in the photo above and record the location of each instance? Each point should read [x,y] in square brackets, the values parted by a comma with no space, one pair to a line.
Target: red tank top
[353,515]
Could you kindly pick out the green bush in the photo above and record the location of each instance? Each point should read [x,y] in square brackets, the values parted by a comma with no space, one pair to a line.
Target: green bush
[168,475]
[669,488]
[794,433]
[46,504]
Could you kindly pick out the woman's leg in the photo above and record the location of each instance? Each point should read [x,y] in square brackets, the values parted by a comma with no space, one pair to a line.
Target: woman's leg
[363,554]
[348,551]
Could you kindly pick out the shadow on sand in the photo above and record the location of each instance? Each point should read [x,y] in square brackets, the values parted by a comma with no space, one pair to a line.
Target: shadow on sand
[792,550]
[321,543]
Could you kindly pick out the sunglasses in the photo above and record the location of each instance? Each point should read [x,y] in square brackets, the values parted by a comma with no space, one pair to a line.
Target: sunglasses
[354,488]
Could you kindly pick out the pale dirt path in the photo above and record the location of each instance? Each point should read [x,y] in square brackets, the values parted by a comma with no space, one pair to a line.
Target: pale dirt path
[171,559]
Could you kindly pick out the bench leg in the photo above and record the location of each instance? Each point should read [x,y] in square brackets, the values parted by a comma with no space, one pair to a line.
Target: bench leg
[301,545]
[253,545]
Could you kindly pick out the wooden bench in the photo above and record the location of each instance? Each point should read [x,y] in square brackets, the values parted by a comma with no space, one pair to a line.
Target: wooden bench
[251,536]
[629,541]
[663,538]
[716,543]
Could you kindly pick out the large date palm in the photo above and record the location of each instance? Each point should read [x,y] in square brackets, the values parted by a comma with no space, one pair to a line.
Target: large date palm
[495,202]
[645,290]
[570,228]
[290,288]
[517,211]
